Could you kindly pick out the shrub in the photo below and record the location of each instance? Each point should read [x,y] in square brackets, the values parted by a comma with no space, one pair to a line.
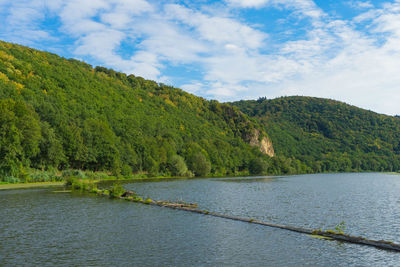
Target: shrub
[11,179]
[177,166]
[77,184]
[92,187]
[258,166]
[74,173]
[44,176]
[97,175]
[117,190]
[126,170]
[340,228]
[199,164]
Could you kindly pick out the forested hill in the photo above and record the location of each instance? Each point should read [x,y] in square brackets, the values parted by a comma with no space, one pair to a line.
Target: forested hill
[62,113]
[328,135]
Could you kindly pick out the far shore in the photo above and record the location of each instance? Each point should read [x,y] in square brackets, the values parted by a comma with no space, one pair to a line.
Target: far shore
[6,186]
[29,185]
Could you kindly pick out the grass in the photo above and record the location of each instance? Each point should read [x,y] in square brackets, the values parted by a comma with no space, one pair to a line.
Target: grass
[29,185]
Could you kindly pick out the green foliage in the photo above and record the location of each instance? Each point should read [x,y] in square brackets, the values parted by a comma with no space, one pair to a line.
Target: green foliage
[43,176]
[116,190]
[95,175]
[258,166]
[101,143]
[19,136]
[11,180]
[322,135]
[82,184]
[63,114]
[177,166]
[126,170]
[340,228]
[147,201]
[74,174]
[51,151]
[199,164]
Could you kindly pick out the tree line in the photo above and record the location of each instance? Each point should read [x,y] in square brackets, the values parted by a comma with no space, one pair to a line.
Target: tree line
[58,114]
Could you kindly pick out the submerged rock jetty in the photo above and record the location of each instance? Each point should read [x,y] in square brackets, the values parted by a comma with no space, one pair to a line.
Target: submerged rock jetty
[117,191]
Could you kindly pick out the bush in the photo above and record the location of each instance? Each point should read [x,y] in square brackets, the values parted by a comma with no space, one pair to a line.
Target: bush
[199,164]
[97,175]
[117,190]
[177,166]
[74,173]
[126,170]
[258,166]
[11,179]
[82,185]
[78,184]
[44,176]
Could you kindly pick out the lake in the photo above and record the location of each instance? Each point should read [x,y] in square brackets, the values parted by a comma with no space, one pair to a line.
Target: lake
[40,227]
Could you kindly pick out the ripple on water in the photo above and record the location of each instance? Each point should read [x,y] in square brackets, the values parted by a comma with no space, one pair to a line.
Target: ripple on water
[39,227]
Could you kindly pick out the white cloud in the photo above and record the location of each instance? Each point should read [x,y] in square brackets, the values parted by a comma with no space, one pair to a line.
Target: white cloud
[361,4]
[193,87]
[20,19]
[335,60]
[355,60]
[100,44]
[248,3]
[305,7]
[219,30]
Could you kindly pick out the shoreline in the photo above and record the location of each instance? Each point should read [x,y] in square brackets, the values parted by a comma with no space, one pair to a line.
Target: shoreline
[29,185]
[143,179]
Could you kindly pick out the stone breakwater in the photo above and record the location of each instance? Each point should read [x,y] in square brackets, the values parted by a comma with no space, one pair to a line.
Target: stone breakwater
[119,193]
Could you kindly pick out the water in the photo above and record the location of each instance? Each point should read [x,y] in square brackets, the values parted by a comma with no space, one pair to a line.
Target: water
[39,227]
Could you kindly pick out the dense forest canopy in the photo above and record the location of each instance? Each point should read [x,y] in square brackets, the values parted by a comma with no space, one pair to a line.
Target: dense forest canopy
[58,113]
[61,114]
[328,135]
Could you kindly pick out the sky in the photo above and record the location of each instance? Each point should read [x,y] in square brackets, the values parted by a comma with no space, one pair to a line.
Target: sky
[230,49]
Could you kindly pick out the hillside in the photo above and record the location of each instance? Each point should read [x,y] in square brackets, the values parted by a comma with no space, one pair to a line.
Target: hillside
[328,135]
[58,113]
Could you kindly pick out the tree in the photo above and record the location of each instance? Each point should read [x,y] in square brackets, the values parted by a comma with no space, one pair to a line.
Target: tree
[199,164]
[19,136]
[101,143]
[51,151]
[258,166]
[177,166]
[10,140]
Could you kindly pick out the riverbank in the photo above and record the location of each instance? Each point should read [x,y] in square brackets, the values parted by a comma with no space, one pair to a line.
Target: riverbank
[29,185]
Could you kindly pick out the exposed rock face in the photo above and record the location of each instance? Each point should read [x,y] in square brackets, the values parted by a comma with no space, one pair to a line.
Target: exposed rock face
[266,147]
[265,144]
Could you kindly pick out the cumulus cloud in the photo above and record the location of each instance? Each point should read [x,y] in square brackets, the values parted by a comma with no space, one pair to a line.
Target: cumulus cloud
[305,7]
[219,30]
[20,20]
[361,4]
[355,59]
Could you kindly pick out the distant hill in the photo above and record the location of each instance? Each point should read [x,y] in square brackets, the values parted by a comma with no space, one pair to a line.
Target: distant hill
[58,114]
[328,135]
[63,113]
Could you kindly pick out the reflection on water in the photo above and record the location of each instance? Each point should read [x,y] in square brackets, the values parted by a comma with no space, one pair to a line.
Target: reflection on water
[248,179]
[39,227]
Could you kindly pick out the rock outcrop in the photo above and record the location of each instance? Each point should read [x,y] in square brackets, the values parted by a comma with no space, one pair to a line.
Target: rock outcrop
[263,143]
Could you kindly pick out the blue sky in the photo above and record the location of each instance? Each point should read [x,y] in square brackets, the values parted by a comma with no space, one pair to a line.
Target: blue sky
[230,49]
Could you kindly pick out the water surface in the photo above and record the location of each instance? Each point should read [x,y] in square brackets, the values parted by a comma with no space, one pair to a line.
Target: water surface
[40,227]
